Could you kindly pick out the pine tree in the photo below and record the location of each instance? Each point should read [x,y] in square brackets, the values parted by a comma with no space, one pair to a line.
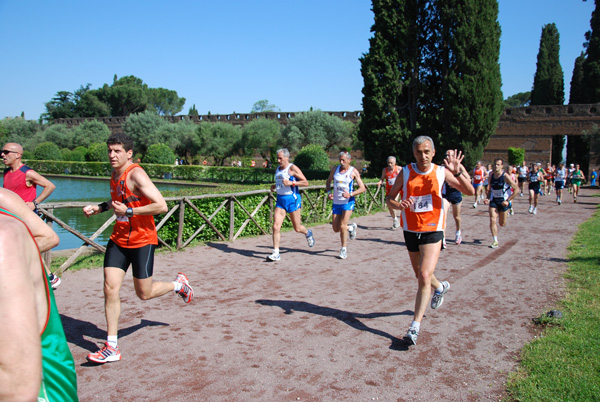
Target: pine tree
[548,82]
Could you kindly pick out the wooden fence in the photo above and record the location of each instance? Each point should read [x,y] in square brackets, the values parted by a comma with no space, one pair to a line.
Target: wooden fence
[315,205]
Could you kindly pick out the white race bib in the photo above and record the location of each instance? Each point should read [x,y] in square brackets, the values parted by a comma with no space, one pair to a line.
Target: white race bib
[422,203]
[498,193]
[391,181]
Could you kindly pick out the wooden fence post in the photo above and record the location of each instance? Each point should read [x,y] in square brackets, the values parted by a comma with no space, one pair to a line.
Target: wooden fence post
[231,218]
[181,222]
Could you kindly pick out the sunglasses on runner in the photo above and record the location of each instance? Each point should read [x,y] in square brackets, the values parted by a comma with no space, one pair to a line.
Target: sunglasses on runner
[6,152]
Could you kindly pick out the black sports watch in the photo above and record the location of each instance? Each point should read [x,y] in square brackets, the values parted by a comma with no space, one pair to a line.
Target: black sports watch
[129,212]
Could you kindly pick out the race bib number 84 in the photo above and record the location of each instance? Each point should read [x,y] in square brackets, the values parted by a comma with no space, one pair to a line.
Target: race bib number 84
[422,203]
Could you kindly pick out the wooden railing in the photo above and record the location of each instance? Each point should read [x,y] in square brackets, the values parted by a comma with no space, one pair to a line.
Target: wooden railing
[315,204]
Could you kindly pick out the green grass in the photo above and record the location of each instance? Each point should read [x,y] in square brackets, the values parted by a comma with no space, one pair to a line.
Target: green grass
[563,364]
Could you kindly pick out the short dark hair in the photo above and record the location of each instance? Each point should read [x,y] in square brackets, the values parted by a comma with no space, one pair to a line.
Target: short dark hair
[121,138]
[499,159]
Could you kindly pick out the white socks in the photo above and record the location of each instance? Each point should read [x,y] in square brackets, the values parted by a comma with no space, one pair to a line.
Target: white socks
[112,341]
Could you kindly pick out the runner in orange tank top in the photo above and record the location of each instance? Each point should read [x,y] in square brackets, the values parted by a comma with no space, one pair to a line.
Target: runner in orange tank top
[389,175]
[422,219]
[134,200]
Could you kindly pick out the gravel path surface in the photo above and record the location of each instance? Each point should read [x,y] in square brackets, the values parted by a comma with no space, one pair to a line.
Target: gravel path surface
[314,328]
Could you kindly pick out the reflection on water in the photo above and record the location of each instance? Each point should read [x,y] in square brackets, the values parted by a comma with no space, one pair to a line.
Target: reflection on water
[95,191]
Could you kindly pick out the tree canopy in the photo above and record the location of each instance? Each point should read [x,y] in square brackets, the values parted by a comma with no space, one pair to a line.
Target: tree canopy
[125,96]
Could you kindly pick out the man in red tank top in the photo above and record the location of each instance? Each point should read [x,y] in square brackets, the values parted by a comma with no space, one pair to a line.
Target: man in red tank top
[422,209]
[134,200]
[23,180]
[388,175]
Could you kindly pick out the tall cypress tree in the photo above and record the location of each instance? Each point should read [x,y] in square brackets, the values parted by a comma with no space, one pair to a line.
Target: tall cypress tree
[432,69]
[576,94]
[591,65]
[389,72]
[471,99]
[548,82]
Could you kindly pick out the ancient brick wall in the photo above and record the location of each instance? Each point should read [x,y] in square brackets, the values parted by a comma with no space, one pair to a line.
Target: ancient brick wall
[530,128]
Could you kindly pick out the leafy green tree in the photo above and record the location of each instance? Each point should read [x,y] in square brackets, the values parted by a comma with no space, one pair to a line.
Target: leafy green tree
[18,130]
[219,140]
[314,127]
[60,134]
[577,95]
[87,103]
[180,137]
[160,154]
[312,157]
[263,106]
[260,136]
[518,100]
[97,152]
[548,82]
[143,129]
[47,151]
[591,65]
[89,132]
[62,105]
[164,102]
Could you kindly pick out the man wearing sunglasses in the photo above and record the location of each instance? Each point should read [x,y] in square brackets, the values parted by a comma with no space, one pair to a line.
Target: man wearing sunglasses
[23,180]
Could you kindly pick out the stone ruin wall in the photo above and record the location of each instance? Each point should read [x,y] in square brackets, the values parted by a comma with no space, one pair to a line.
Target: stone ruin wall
[530,127]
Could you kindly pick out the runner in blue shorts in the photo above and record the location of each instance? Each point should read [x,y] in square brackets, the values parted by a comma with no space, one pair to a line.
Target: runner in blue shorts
[343,177]
[288,177]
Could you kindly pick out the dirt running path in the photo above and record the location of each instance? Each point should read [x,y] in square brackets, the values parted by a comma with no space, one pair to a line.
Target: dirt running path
[315,328]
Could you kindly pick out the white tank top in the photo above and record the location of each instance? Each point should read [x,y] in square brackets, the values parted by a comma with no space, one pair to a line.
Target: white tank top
[280,176]
[342,182]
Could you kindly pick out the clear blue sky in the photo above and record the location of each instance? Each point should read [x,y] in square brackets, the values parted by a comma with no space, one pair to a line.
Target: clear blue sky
[223,56]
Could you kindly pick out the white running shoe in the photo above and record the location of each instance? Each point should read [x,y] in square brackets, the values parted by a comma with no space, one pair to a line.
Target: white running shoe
[274,257]
[458,239]
[535,211]
[396,223]
[352,232]
[531,209]
[310,238]
[438,298]
[343,255]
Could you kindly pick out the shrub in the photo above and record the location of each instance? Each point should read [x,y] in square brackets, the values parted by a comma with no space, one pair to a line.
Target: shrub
[90,132]
[312,157]
[47,151]
[516,156]
[74,155]
[159,154]
[97,152]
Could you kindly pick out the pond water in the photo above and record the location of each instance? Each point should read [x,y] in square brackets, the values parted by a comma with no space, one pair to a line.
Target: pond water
[93,190]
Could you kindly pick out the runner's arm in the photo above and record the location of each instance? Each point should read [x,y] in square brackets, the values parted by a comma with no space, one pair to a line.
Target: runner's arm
[34,177]
[20,346]
[361,185]
[301,180]
[328,183]
[44,236]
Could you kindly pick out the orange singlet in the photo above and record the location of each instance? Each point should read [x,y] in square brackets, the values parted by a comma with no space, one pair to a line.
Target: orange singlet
[478,176]
[426,214]
[139,230]
[390,178]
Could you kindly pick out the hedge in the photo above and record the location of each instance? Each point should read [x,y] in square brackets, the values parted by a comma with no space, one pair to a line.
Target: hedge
[179,172]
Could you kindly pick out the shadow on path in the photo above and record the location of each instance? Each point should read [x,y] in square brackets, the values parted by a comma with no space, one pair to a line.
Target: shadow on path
[75,330]
[349,318]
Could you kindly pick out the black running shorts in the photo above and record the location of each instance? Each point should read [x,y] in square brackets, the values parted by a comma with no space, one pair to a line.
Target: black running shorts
[141,259]
[414,240]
